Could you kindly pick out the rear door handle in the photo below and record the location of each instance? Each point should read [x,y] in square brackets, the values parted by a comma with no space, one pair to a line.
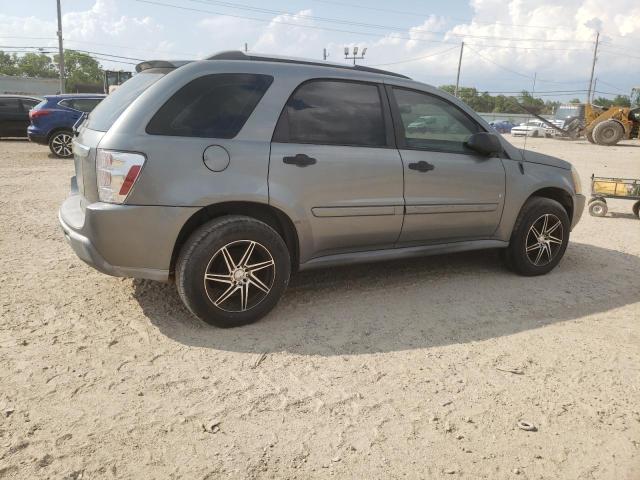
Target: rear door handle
[300,160]
[421,166]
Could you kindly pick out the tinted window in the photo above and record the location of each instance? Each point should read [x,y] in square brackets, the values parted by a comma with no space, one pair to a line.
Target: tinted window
[213,106]
[82,104]
[9,105]
[109,109]
[433,124]
[328,112]
[28,104]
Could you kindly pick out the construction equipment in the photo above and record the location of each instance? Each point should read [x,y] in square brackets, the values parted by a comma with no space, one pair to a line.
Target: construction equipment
[113,79]
[612,125]
[608,187]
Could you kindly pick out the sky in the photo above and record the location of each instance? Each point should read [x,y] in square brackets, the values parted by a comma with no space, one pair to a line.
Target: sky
[545,46]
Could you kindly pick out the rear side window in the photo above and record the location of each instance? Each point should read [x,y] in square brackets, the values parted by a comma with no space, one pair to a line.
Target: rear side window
[82,104]
[212,106]
[329,112]
[28,104]
[109,109]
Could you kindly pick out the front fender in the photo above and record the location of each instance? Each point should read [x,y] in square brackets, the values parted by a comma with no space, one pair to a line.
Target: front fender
[523,179]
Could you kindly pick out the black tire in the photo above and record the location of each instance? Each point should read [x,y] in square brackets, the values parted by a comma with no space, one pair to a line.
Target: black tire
[202,254]
[636,209]
[533,214]
[60,143]
[598,208]
[608,133]
[589,136]
[535,134]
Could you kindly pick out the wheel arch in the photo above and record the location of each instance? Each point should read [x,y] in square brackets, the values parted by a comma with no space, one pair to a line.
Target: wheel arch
[558,194]
[55,130]
[268,214]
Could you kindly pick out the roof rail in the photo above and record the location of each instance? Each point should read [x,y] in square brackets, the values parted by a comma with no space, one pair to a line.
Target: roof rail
[239,55]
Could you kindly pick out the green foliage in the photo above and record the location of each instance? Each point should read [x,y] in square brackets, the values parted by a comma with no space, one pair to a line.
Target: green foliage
[486,103]
[36,65]
[8,64]
[79,67]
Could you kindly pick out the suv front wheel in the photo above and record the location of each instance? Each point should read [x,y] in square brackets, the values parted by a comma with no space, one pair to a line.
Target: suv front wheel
[232,271]
[539,239]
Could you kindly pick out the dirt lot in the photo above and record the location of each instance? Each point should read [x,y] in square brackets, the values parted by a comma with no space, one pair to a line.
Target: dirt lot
[418,369]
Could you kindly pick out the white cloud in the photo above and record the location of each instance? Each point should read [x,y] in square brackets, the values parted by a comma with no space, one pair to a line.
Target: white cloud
[506,34]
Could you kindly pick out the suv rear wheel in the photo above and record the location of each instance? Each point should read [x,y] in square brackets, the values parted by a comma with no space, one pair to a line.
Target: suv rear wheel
[60,144]
[539,237]
[232,271]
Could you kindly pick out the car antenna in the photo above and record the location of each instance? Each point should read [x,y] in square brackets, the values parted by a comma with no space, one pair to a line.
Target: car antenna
[526,132]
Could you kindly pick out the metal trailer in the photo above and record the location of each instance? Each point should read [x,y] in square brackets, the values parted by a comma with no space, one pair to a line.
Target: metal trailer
[611,187]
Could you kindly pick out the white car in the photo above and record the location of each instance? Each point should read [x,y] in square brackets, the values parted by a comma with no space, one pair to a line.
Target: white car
[534,128]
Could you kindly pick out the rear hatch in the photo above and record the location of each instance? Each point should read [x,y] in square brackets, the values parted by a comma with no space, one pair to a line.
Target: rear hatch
[100,120]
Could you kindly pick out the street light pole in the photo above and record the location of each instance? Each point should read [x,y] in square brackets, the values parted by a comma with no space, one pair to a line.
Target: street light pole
[355,56]
[60,49]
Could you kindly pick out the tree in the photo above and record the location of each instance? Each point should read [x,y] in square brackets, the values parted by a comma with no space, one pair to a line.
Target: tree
[80,68]
[36,65]
[575,100]
[8,64]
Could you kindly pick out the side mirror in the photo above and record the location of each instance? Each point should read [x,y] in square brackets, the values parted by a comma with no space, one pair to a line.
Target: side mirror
[484,143]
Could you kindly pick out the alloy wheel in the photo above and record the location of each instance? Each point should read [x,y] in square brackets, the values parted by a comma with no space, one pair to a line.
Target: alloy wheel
[61,144]
[544,239]
[239,276]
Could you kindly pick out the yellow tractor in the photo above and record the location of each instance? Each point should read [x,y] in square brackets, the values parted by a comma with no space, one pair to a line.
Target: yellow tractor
[608,127]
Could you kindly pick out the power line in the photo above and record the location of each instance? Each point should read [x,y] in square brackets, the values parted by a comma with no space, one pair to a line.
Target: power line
[415,59]
[316,27]
[246,7]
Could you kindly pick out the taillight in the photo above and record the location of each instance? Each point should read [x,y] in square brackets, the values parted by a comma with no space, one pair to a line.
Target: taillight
[38,113]
[117,172]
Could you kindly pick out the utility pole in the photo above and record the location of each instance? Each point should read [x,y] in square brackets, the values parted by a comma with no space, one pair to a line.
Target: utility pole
[459,67]
[324,54]
[593,67]
[246,47]
[60,49]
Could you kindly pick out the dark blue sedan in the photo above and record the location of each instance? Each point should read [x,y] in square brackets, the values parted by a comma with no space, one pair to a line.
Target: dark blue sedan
[52,120]
[503,126]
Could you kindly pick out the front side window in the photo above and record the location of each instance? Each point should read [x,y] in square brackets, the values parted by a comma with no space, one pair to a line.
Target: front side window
[431,123]
[213,106]
[9,105]
[329,112]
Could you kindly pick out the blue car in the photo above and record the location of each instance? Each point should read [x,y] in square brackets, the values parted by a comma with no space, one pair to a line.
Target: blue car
[52,120]
[503,126]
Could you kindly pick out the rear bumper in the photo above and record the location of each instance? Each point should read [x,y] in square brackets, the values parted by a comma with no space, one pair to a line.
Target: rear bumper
[37,137]
[123,240]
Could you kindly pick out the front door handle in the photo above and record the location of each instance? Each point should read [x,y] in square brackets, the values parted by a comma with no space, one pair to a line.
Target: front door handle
[300,160]
[421,166]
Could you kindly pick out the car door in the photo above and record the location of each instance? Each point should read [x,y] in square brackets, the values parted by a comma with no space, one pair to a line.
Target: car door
[451,192]
[333,160]
[11,118]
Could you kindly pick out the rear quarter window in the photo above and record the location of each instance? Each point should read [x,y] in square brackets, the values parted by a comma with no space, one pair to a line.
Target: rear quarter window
[109,109]
[212,106]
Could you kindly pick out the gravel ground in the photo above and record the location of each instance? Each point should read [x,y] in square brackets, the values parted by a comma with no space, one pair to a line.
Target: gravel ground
[413,369]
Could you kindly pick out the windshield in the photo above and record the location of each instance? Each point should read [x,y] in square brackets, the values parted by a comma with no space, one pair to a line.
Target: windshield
[108,111]
[566,111]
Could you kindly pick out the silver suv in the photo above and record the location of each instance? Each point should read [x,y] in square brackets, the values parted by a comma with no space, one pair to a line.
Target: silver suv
[232,172]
